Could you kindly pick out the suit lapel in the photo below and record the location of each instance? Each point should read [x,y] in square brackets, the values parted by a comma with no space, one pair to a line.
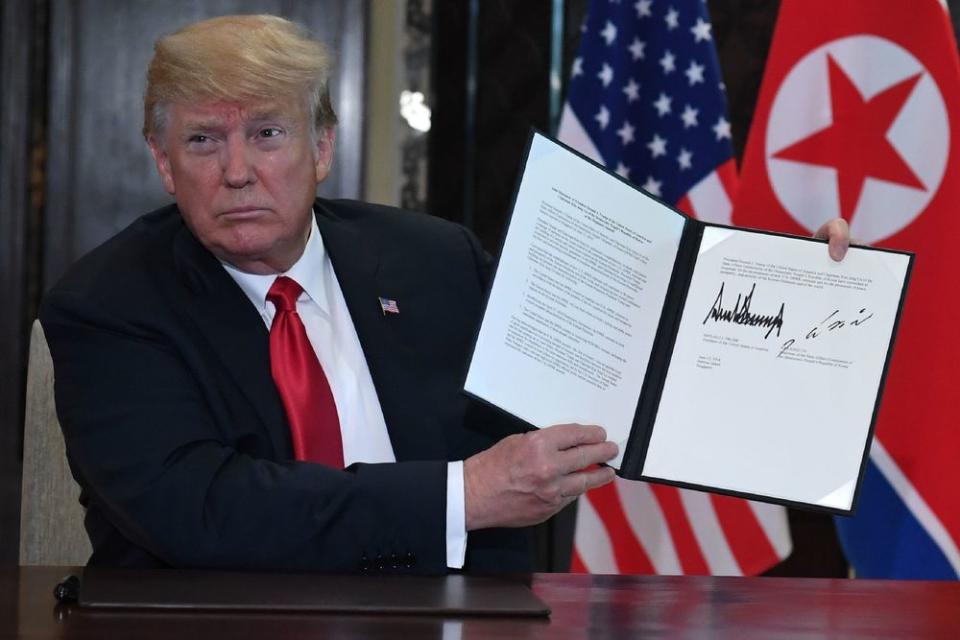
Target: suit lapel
[235,332]
[357,263]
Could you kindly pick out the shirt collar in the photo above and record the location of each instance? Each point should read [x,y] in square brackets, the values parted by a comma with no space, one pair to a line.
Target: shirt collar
[309,272]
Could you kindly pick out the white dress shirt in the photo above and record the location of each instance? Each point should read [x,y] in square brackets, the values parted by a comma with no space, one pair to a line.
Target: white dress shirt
[333,337]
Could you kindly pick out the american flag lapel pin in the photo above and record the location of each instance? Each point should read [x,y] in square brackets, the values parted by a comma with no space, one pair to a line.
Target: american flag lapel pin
[389,306]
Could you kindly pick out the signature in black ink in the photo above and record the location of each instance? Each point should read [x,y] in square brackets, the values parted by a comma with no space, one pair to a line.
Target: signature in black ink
[831,323]
[741,314]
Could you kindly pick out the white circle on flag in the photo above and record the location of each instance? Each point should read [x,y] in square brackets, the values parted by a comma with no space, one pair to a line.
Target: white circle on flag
[919,133]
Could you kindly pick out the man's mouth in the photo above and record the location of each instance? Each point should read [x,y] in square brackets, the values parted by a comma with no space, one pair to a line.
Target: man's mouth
[243,212]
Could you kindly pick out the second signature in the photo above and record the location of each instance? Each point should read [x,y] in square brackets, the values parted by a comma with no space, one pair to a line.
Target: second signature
[831,323]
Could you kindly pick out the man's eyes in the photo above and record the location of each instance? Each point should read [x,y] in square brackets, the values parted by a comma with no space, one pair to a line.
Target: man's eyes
[270,132]
[266,133]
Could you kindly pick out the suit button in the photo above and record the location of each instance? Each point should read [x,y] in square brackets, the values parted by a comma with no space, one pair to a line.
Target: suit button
[409,560]
[380,563]
[364,565]
[394,561]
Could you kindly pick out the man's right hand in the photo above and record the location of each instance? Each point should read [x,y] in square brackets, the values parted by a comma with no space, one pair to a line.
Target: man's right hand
[524,479]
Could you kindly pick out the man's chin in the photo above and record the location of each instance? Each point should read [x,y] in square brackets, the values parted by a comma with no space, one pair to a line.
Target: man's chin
[258,257]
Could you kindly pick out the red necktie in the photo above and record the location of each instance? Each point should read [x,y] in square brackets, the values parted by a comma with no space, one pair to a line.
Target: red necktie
[303,387]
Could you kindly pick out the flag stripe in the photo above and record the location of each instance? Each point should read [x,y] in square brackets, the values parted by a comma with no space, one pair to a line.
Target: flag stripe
[650,525]
[709,533]
[597,555]
[576,563]
[915,503]
[691,556]
[727,172]
[686,206]
[630,556]
[709,199]
[747,539]
[775,525]
[573,133]
[884,540]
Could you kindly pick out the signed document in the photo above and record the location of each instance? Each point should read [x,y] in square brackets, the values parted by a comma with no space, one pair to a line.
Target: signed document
[722,359]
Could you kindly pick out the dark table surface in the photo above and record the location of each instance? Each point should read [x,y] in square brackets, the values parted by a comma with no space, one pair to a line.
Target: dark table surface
[583,607]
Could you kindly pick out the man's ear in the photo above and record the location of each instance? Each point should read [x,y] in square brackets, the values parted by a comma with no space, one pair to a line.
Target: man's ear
[326,141]
[162,161]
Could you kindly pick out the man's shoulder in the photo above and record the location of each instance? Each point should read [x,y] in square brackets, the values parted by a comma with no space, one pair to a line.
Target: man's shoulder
[413,243]
[120,262]
[388,221]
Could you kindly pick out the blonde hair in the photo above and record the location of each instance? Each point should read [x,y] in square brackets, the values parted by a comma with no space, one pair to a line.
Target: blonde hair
[237,58]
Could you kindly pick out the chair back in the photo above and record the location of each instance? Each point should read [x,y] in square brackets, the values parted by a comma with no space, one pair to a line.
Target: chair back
[51,518]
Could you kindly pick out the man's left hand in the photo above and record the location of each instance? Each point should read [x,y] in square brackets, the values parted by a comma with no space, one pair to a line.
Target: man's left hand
[837,233]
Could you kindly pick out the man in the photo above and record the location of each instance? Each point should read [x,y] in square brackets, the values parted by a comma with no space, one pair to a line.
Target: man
[183,419]
[234,383]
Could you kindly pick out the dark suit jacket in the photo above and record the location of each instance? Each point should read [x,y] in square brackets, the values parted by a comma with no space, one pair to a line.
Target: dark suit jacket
[177,435]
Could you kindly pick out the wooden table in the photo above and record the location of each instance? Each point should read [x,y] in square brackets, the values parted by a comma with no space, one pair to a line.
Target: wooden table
[583,607]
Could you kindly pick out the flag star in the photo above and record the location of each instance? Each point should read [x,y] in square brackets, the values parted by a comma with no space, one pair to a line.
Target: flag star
[652,186]
[577,67]
[722,128]
[657,146]
[694,73]
[643,8]
[689,117]
[609,33]
[602,117]
[632,89]
[636,48]
[684,159]
[606,75]
[623,170]
[626,132]
[668,62]
[662,105]
[672,19]
[701,30]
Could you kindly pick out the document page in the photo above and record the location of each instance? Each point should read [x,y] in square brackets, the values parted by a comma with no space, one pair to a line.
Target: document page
[576,300]
[775,372]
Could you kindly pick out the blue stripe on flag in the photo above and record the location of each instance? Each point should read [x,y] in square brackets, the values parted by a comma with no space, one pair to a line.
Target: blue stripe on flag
[885,540]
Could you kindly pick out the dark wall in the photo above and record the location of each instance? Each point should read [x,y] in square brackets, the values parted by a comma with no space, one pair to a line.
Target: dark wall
[475,154]
[20,22]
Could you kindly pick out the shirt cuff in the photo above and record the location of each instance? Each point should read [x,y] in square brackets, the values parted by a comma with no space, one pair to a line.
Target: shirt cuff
[456,516]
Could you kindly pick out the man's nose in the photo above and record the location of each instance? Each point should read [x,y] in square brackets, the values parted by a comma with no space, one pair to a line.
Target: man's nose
[238,170]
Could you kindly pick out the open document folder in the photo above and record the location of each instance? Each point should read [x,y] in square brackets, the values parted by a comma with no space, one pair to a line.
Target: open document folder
[729,360]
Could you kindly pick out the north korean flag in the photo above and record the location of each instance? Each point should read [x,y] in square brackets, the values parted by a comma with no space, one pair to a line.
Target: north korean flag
[859,117]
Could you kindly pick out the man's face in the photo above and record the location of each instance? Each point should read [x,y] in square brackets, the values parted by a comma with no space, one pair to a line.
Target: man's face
[244,177]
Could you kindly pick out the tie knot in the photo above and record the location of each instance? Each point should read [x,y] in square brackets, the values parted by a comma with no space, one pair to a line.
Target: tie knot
[284,293]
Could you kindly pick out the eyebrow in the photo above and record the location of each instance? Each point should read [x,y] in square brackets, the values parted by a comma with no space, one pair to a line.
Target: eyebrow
[254,117]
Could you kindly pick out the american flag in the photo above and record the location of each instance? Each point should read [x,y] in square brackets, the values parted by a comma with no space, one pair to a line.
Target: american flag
[646,99]
[389,306]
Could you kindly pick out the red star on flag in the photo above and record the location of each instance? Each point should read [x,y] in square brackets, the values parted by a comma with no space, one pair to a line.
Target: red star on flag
[856,144]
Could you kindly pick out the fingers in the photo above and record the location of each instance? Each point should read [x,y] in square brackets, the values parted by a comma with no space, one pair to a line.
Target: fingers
[837,233]
[581,457]
[575,484]
[565,436]
[525,479]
